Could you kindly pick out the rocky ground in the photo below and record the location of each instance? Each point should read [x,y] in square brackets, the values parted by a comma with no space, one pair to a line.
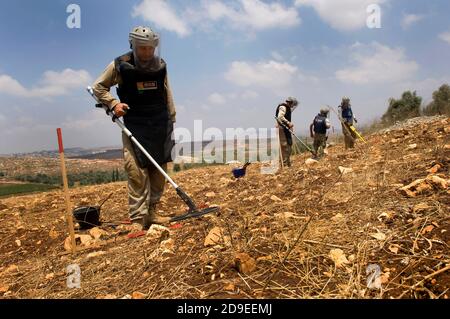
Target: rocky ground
[371,223]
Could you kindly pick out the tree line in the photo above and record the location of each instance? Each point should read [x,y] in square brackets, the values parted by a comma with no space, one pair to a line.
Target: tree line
[84,178]
[410,105]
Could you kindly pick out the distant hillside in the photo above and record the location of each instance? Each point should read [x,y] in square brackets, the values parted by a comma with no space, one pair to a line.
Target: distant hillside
[107,155]
[74,152]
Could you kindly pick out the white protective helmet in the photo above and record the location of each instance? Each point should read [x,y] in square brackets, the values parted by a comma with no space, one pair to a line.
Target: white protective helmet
[143,36]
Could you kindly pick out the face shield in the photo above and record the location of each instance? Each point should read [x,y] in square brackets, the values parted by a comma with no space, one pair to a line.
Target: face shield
[146,57]
[293,103]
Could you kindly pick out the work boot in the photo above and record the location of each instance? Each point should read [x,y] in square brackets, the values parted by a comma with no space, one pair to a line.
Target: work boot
[154,218]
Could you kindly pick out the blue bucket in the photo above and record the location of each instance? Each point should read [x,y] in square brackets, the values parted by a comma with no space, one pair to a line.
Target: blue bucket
[239,172]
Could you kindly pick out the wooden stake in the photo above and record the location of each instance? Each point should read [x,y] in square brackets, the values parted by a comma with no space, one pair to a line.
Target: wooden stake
[69,215]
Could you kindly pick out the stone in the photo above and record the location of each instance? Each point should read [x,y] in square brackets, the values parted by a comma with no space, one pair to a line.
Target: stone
[80,240]
[285,215]
[434,169]
[437,181]
[97,233]
[50,276]
[214,237]
[344,170]
[337,217]
[168,244]
[12,269]
[158,232]
[311,162]
[417,187]
[420,208]
[386,216]
[229,287]
[378,236]
[109,296]
[423,185]
[138,295]
[53,234]
[95,254]
[244,263]
[338,257]
[4,289]
[275,198]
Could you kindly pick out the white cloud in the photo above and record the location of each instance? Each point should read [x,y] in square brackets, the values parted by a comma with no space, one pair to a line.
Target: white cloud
[266,74]
[308,79]
[247,15]
[162,15]
[217,99]
[249,95]
[254,14]
[10,86]
[445,37]
[410,19]
[52,84]
[93,119]
[221,99]
[277,56]
[381,65]
[345,15]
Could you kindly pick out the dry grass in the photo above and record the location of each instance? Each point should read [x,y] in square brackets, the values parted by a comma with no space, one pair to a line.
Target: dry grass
[325,211]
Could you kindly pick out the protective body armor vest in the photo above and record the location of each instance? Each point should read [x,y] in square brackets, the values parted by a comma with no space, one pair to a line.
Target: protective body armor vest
[148,117]
[320,125]
[288,117]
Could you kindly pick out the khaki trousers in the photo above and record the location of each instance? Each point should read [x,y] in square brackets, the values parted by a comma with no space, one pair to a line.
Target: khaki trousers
[145,185]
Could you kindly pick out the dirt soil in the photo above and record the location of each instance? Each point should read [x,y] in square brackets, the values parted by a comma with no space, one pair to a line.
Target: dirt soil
[368,223]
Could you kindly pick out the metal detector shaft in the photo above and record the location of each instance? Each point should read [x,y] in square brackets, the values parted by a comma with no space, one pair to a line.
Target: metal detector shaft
[193,210]
[282,124]
[132,138]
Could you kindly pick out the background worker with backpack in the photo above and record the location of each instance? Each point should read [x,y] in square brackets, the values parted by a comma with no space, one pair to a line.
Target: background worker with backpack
[347,121]
[318,130]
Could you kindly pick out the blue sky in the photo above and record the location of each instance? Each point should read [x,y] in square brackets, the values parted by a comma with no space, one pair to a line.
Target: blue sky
[230,62]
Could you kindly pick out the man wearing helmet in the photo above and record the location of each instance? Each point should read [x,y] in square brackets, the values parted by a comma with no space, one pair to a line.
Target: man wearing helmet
[284,116]
[147,106]
[347,120]
[318,130]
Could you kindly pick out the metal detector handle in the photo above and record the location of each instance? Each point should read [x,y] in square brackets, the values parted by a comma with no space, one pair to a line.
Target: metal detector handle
[109,112]
[128,133]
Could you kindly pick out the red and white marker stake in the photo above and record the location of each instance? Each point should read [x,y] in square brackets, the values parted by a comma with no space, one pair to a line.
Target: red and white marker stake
[66,190]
